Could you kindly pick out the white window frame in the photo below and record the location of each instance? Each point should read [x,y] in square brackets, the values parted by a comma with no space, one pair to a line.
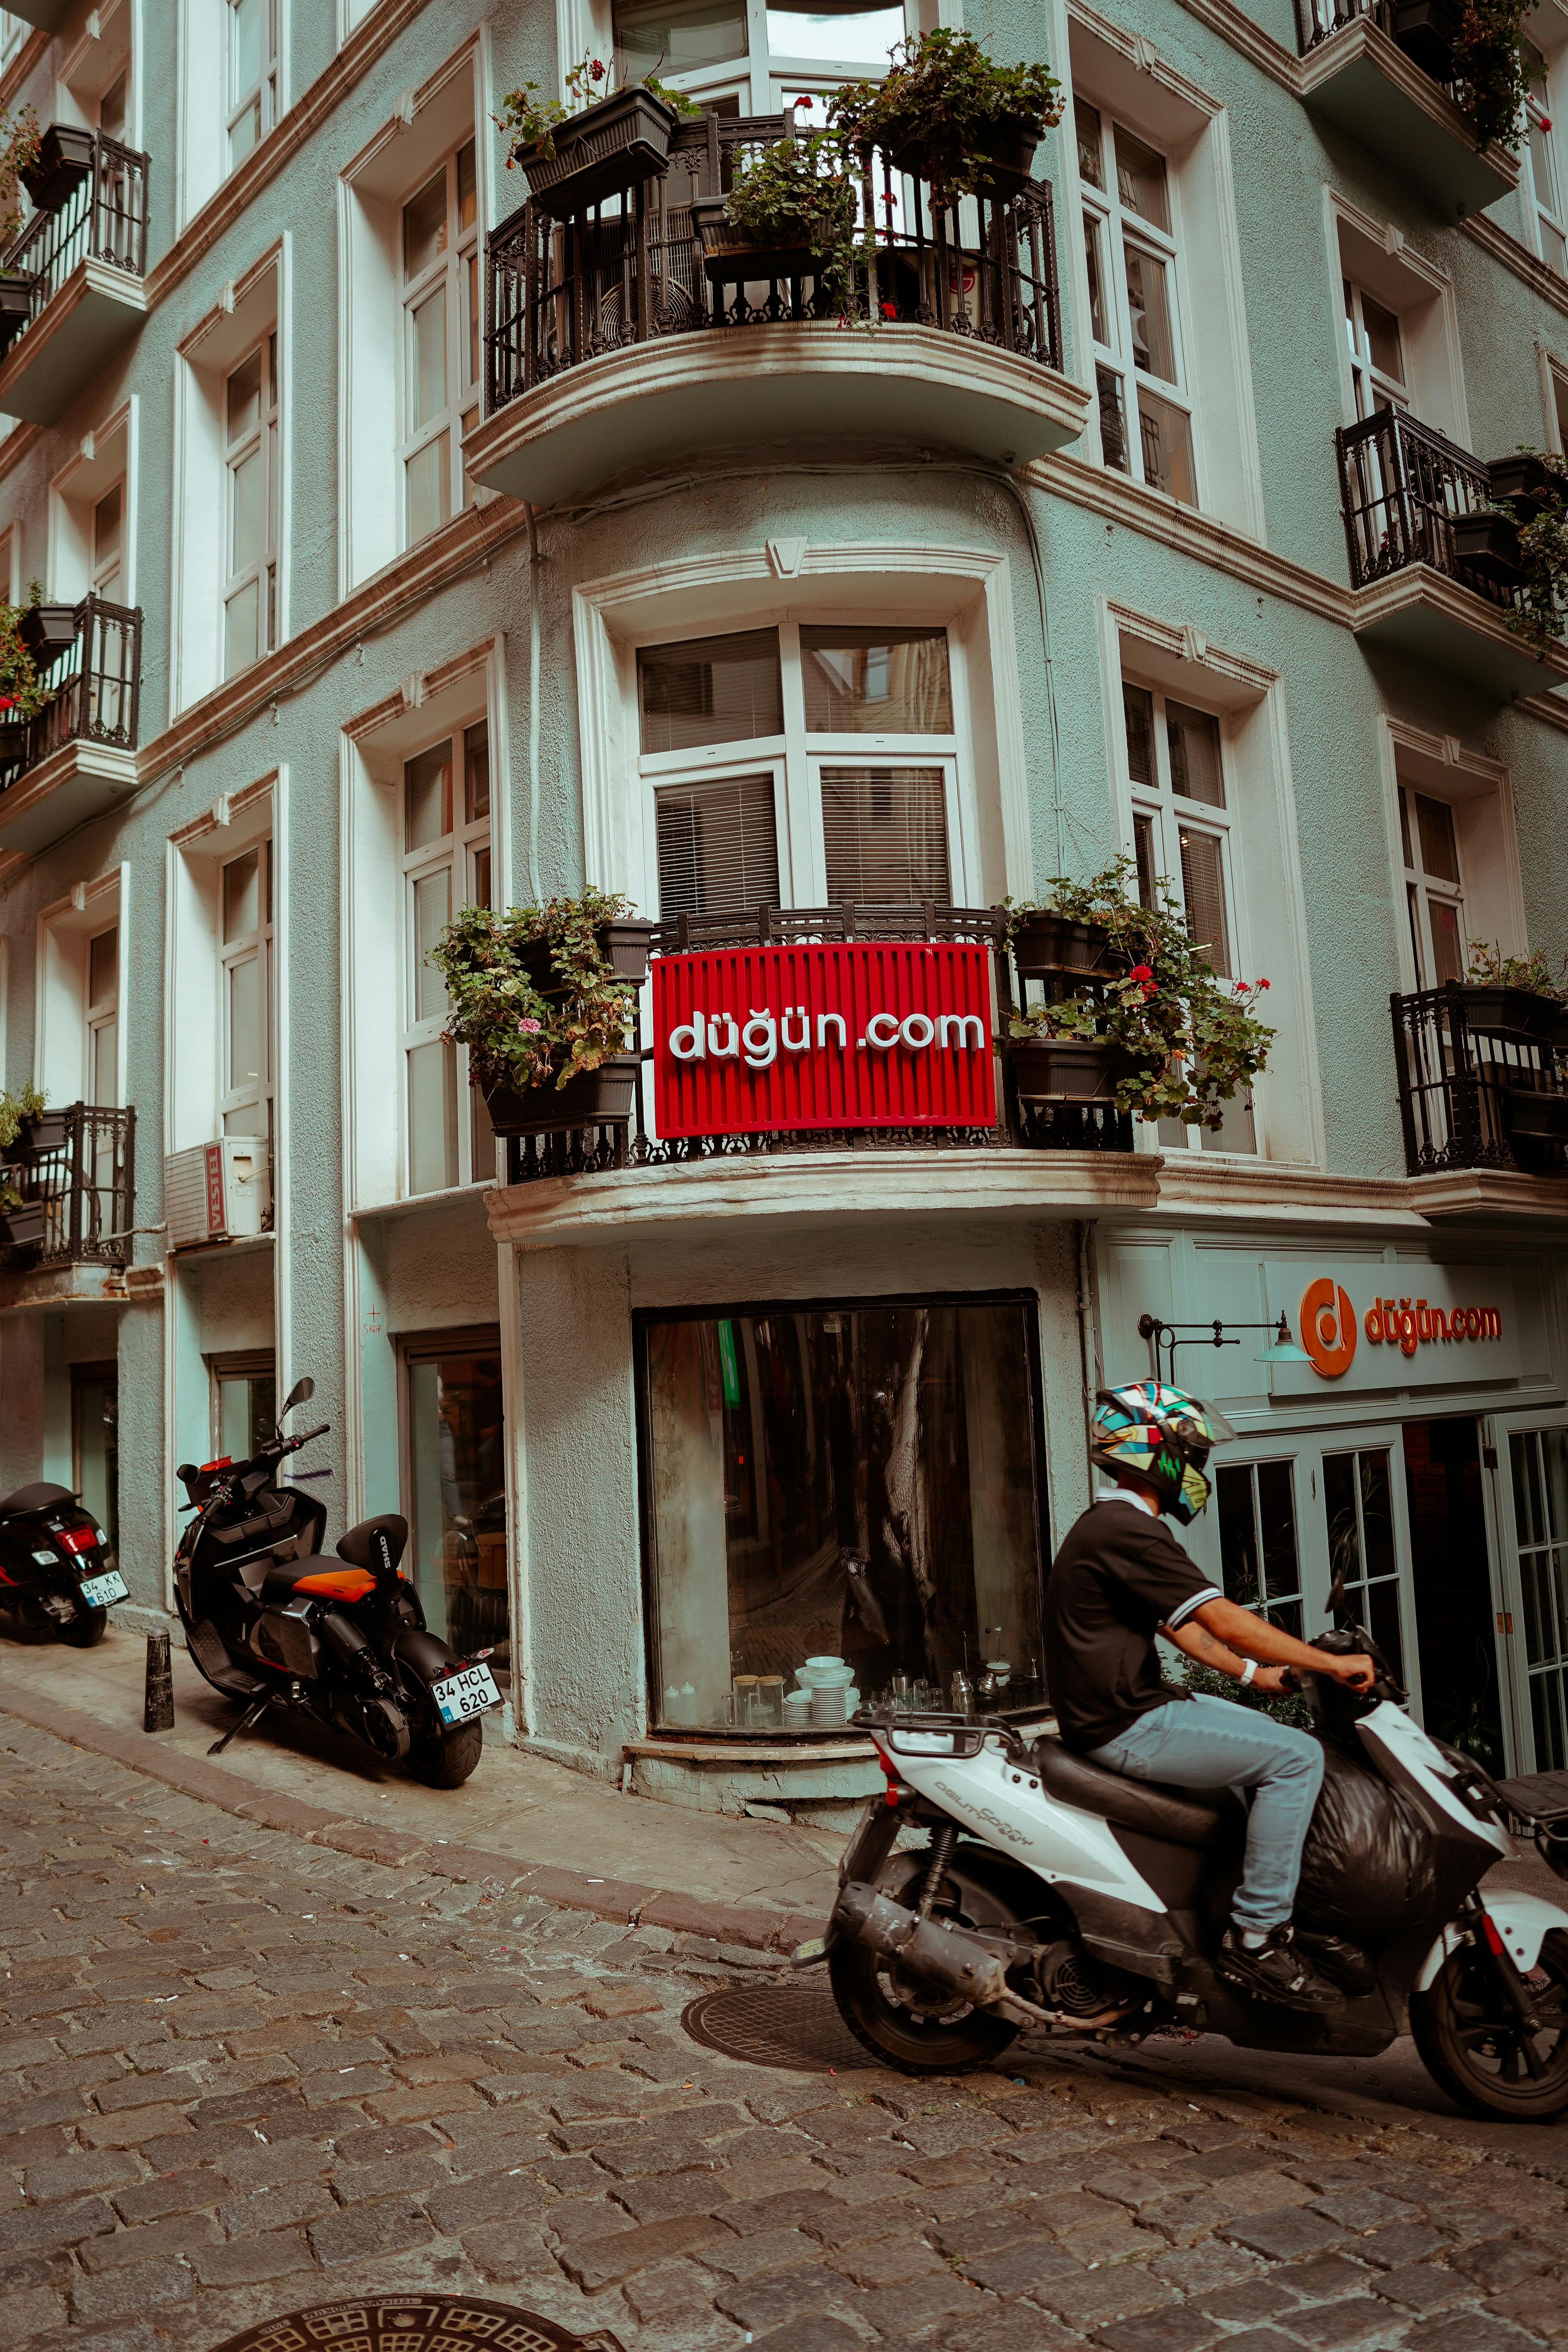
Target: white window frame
[1480,791]
[764,83]
[457,855]
[457,271]
[251,947]
[1115,226]
[1422,890]
[65,1016]
[1546,212]
[101,1014]
[1374,256]
[259,440]
[109,570]
[260,94]
[105,457]
[1371,387]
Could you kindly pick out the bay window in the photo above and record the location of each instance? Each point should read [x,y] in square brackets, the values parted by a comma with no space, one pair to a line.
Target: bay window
[751,58]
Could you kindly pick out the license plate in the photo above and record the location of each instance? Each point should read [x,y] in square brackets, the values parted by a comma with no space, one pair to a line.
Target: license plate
[103,1591]
[469,1692]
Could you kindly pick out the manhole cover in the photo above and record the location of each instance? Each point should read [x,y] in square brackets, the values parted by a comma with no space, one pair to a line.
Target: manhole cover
[422,2322]
[775,2025]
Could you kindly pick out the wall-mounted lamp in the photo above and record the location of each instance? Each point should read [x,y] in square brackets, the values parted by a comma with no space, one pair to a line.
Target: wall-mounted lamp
[1281,1348]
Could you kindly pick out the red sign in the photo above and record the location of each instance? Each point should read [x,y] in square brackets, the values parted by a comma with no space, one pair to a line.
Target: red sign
[872,1033]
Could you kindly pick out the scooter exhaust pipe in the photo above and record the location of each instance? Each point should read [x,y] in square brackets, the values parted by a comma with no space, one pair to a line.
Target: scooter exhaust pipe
[946,1957]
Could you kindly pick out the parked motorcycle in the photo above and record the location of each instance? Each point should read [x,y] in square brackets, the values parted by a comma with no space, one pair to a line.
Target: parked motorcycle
[1053,1893]
[54,1575]
[269,1623]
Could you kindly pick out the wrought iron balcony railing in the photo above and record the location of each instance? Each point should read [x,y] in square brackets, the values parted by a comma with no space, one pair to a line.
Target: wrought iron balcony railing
[77,1188]
[94,685]
[632,271]
[1480,1086]
[1402,487]
[1031,1126]
[103,217]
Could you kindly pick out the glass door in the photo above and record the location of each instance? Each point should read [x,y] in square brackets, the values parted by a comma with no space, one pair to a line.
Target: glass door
[456,1485]
[95,1447]
[1533,1516]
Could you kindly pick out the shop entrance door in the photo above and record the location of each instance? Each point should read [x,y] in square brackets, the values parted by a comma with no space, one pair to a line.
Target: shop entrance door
[1531,1487]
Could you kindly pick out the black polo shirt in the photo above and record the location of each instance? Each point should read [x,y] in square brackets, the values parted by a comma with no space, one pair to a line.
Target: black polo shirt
[1119,1577]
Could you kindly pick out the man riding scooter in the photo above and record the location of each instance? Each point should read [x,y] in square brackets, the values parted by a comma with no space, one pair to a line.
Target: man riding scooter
[1120,1579]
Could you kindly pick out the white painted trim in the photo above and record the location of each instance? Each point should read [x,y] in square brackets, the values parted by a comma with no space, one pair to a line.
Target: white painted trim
[1446,407]
[1482,776]
[282,1066]
[519,1715]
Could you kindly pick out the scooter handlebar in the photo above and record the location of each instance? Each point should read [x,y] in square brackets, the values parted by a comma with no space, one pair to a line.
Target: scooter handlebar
[306,1437]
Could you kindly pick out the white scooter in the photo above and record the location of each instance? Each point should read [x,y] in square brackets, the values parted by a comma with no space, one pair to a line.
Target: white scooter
[1053,1893]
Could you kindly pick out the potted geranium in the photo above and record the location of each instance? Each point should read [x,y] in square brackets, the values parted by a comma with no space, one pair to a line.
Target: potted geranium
[1512,996]
[792,213]
[544,1060]
[61,160]
[949,114]
[1490,66]
[599,145]
[21,695]
[19,153]
[15,1111]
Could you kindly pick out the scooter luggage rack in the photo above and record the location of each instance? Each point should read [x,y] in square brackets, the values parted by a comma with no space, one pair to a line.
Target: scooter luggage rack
[968,1732]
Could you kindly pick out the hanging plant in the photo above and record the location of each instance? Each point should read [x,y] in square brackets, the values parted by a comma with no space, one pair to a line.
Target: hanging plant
[518,1034]
[21,695]
[13,1108]
[532,121]
[948,111]
[798,197]
[1189,1040]
[1540,517]
[1492,70]
[19,138]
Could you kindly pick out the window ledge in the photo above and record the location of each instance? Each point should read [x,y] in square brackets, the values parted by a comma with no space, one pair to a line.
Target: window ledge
[1289,1192]
[410,1206]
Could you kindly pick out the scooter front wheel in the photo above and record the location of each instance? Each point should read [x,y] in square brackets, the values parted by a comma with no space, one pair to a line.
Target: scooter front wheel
[1474,2045]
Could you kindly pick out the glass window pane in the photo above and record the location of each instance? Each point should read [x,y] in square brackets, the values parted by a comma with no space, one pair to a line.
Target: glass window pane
[1112,418]
[429,372]
[670,37]
[104,966]
[473,313]
[1439,849]
[1237,1534]
[1166,438]
[425,226]
[1339,1511]
[247,1413]
[1377,1514]
[717,849]
[1555,1460]
[848,34]
[243,1024]
[467,187]
[1140,179]
[476,772]
[1383,1623]
[1093,243]
[481,880]
[876,681]
[1193,738]
[1149,311]
[1381,330]
[710,691]
[105,1064]
[1090,142]
[1138,713]
[779,1443]
[427,797]
[1144,851]
[884,830]
[239,646]
[245,512]
[1203,890]
[457,1544]
[432,1117]
[95,1408]
[1528,1499]
[107,519]
[1546,1709]
[430,487]
[245,133]
[432,913]
[242,896]
[245,396]
[1447,949]
[1277,1516]
[244,38]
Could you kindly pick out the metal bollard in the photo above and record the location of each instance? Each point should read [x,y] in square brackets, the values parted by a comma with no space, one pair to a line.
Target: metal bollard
[158,1712]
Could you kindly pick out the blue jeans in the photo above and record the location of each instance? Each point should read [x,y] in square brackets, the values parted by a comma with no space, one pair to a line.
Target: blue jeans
[1275,1769]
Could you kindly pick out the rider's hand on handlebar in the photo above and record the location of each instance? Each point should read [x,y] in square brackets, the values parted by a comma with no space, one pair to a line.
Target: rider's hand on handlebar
[1357,1672]
[1275,1681]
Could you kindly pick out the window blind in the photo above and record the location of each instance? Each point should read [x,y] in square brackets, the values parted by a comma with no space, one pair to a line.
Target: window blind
[710,690]
[717,849]
[1203,888]
[885,833]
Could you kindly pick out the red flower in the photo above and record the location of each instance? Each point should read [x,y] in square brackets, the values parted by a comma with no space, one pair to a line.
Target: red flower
[1546,123]
[597,70]
[890,309]
[1142,971]
[803,100]
[1263,983]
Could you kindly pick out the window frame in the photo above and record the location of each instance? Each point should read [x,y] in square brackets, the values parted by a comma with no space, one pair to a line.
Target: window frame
[100,1013]
[260,439]
[456,269]
[249,947]
[1114,225]
[261,93]
[242,1364]
[456,853]
[760,82]
[1548,221]
[1368,380]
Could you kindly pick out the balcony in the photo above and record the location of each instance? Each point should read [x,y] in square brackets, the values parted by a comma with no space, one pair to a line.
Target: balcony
[77,1188]
[613,346]
[71,284]
[1362,69]
[1483,1099]
[1402,487]
[78,758]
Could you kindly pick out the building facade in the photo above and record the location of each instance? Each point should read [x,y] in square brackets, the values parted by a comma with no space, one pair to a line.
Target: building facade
[418,549]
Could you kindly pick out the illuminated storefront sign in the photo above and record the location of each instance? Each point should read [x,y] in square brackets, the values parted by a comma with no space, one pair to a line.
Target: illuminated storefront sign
[763,1040]
[1362,1328]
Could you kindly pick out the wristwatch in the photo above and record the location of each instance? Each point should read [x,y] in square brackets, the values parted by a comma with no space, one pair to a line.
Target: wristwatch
[1248,1672]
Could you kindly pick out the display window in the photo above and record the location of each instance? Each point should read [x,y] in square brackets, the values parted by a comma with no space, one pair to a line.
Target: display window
[455,1456]
[840,1498]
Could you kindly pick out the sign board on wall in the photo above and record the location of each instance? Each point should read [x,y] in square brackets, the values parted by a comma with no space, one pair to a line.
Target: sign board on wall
[763,1040]
[1365,1323]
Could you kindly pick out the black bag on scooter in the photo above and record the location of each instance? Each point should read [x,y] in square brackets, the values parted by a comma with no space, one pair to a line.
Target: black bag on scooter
[1367,1869]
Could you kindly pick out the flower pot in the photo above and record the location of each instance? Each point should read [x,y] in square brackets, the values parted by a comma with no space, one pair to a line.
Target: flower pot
[1044,942]
[1066,1069]
[600,154]
[623,945]
[65,161]
[601,1098]
[1498,1012]
[46,1130]
[23,1226]
[730,253]
[1425,31]
[14,741]
[16,305]
[1528,479]
[1487,542]
[46,630]
[1007,144]
[1542,1116]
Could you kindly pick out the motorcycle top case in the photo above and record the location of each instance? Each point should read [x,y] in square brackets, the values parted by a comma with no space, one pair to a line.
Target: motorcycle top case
[1367,1870]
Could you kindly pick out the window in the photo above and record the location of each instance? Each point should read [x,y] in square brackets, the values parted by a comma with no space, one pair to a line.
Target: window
[800,765]
[250,459]
[446,865]
[1377,352]
[1401,327]
[108,531]
[252,81]
[1131,256]
[102,1073]
[1260,1558]
[857,1481]
[441,322]
[758,57]
[95,1447]
[1434,898]
[245,1405]
[1545,183]
[245,964]
[1359,1507]
[457,1490]
[1538,1459]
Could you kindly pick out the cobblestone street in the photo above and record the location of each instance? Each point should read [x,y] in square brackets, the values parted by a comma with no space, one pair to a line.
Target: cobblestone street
[245,2075]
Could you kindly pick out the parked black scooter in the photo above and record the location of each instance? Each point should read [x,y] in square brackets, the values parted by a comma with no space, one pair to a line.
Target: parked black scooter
[54,1576]
[269,1623]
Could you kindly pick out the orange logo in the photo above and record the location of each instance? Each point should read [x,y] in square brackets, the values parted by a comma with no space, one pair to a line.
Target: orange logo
[1328,1328]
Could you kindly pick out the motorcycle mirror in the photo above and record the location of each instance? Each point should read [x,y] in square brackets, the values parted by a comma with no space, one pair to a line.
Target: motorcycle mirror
[301,1394]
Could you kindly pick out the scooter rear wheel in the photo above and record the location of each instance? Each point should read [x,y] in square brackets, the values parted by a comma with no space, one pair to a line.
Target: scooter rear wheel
[914,2030]
[1473,2045]
[446,1762]
[88,1630]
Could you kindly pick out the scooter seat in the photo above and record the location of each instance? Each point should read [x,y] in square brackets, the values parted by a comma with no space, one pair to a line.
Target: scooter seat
[1147,1805]
[40,1497]
[326,1579]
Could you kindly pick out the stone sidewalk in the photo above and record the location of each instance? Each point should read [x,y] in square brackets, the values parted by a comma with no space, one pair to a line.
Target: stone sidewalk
[247,2075]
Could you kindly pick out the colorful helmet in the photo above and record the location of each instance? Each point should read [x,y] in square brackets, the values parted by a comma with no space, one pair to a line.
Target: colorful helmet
[1162,1435]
